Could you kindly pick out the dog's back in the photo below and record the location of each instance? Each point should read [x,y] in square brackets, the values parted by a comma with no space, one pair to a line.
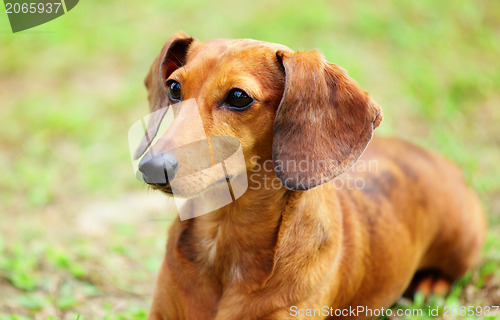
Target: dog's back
[410,200]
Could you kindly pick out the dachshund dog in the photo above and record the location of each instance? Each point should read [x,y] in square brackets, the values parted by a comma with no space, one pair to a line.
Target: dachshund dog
[308,245]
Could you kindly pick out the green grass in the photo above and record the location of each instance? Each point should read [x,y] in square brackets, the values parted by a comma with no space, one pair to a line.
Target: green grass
[70,89]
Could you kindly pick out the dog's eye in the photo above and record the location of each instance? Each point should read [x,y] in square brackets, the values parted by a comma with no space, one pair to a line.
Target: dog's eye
[238,99]
[174,90]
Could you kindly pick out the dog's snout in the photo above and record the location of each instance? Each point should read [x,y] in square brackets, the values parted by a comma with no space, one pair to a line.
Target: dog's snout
[158,168]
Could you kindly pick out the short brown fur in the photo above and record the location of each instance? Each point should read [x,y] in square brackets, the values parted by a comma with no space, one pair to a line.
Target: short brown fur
[328,246]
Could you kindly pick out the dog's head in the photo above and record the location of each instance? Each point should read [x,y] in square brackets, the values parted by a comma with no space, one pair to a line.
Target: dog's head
[294,108]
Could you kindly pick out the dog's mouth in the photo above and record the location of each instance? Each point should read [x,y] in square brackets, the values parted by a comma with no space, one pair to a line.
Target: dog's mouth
[195,168]
[164,188]
[201,193]
[188,192]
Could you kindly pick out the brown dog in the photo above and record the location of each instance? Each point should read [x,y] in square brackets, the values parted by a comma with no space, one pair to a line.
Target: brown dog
[280,252]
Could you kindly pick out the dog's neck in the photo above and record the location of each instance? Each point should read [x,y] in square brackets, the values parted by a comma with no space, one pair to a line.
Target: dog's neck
[231,245]
[228,246]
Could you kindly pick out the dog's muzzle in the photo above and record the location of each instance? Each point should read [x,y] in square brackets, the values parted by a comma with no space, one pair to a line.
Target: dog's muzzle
[202,173]
[158,168]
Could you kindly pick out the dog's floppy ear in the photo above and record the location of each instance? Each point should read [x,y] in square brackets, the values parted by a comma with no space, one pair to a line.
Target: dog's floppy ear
[172,56]
[323,123]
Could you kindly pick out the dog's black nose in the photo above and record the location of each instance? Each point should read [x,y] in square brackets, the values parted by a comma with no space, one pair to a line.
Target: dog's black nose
[157,168]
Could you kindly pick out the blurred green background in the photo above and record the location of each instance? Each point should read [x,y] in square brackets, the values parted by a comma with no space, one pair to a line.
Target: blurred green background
[80,237]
